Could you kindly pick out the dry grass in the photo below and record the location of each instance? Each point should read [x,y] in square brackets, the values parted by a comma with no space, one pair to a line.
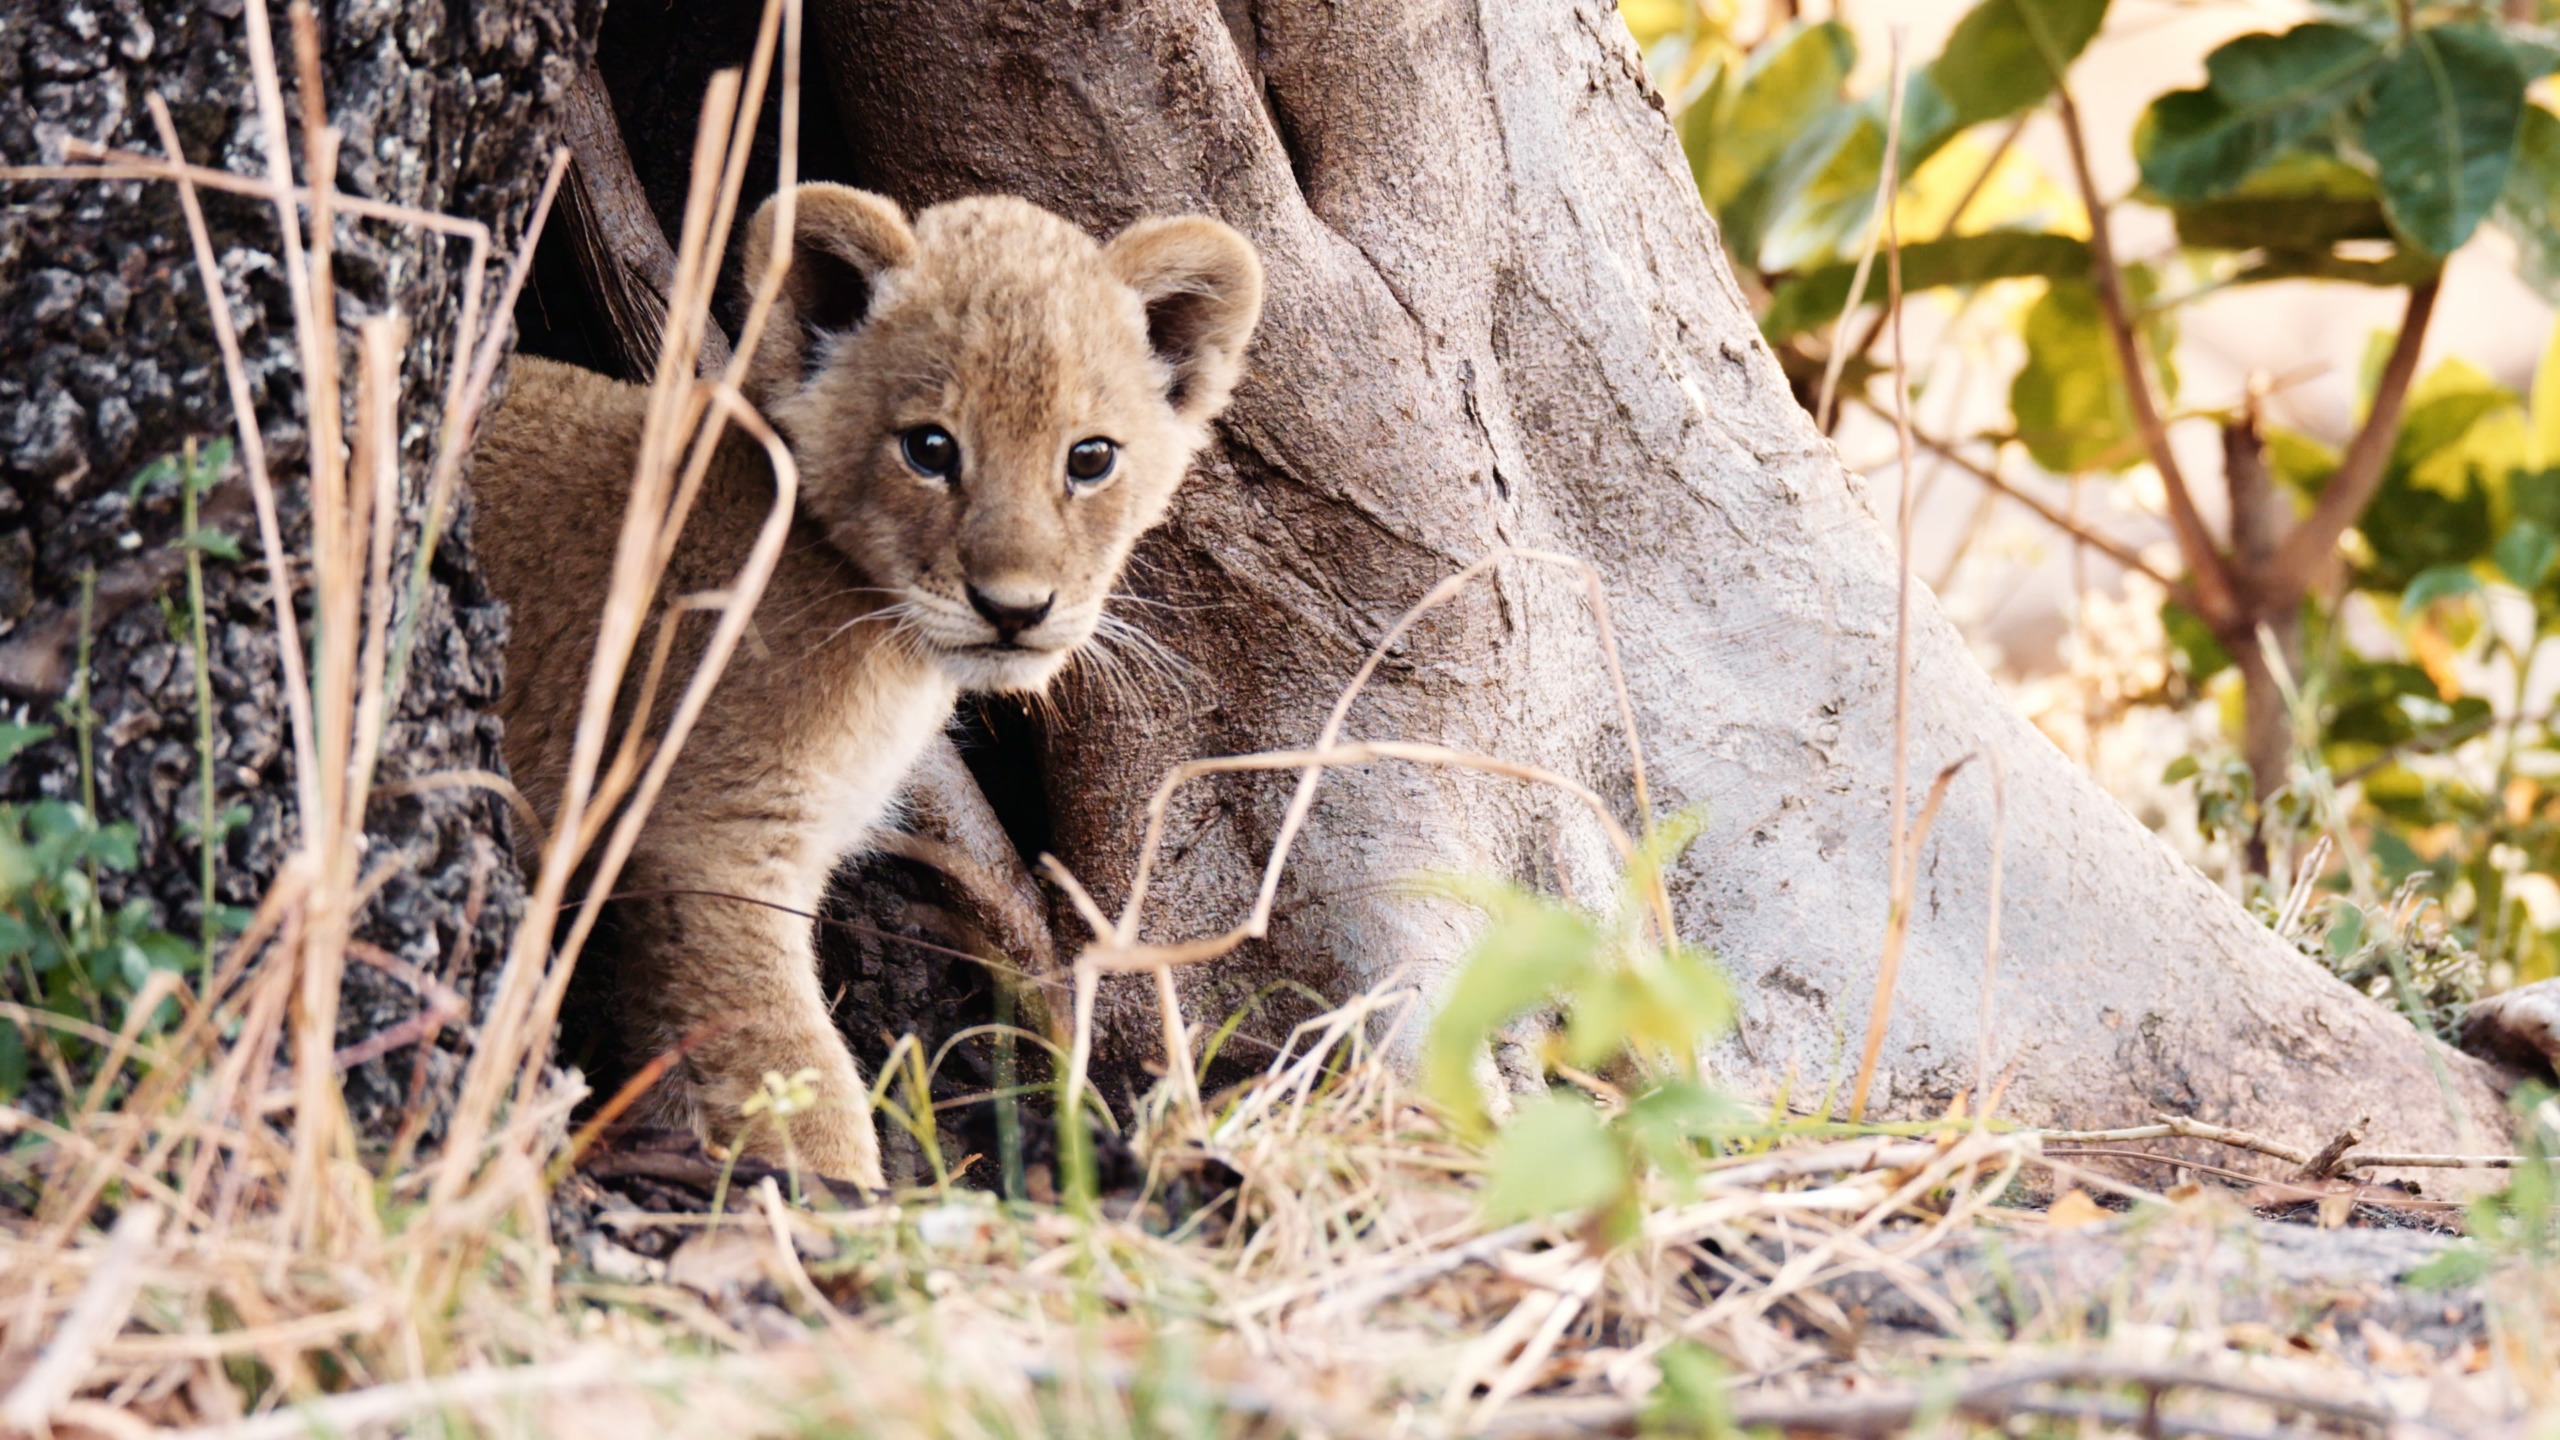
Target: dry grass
[217,1255]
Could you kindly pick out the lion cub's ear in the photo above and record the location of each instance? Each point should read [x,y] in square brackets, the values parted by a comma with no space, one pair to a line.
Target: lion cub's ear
[843,241]
[1202,285]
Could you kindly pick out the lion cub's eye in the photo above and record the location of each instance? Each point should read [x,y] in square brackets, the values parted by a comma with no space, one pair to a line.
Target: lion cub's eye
[930,451]
[1089,463]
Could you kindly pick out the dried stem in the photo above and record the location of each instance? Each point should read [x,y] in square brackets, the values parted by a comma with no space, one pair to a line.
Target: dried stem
[2215,600]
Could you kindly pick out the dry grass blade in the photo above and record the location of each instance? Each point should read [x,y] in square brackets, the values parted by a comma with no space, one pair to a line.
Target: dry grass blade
[101,1310]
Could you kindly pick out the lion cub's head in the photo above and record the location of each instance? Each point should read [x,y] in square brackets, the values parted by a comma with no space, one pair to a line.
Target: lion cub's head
[988,407]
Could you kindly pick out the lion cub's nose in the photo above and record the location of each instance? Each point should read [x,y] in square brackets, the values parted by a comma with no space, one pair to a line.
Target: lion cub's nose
[1011,609]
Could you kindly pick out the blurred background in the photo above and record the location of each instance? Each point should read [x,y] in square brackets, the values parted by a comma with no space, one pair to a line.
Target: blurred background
[2253,507]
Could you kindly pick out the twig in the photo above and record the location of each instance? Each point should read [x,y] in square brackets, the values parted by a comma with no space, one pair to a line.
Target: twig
[1897,929]
[1897,923]
[1982,1087]
[2215,599]
[2324,1163]
[2112,549]
[2308,545]
[1888,185]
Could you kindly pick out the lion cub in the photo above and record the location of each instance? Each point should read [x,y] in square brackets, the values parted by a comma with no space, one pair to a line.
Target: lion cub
[987,409]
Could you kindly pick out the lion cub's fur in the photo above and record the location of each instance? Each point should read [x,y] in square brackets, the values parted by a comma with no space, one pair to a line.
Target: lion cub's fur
[1014,332]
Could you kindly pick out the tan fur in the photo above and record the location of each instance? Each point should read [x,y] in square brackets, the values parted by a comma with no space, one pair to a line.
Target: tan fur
[1020,336]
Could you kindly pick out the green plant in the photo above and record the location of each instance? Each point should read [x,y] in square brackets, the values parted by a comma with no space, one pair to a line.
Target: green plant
[67,954]
[1633,1007]
[194,473]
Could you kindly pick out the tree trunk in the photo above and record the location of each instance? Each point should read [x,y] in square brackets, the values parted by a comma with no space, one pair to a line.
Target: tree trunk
[107,363]
[1499,317]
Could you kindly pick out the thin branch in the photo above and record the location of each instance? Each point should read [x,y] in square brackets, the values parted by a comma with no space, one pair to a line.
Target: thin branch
[2213,591]
[2308,546]
[2112,549]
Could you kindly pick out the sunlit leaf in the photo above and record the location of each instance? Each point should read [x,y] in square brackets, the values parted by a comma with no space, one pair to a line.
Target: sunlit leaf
[1975,184]
[2442,131]
[2069,400]
[1667,1123]
[2440,445]
[1822,190]
[1554,1156]
[2005,55]
[2263,94]
[2528,211]
[1790,79]
[1529,948]
[2546,403]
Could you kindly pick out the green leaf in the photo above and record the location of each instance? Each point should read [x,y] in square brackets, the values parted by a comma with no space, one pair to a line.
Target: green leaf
[1530,948]
[2442,582]
[13,1060]
[2398,271]
[1822,190]
[15,737]
[1734,137]
[212,462]
[2535,50]
[158,471]
[1691,1398]
[1687,1110]
[211,542]
[2185,767]
[2524,554]
[1816,297]
[2200,652]
[2442,131]
[2263,95]
[2455,1267]
[2005,56]
[2299,201]
[2069,399]
[2346,932]
[1554,1156]
[2528,209]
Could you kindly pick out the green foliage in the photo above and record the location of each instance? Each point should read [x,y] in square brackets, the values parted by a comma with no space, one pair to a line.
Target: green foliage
[1691,1398]
[2069,400]
[1738,129]
[62,950]
[2393,953]
[61,947]
[2519,1224]
[2528,210]
[2263,95]
[1632,1007]
[1817,297]
[2003,58]
[2442,132]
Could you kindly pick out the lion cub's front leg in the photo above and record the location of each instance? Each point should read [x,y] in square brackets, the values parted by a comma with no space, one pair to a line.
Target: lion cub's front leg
[739,980]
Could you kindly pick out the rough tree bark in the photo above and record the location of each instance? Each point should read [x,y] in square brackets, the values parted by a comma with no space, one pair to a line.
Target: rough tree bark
[107,362]
[1499,317]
